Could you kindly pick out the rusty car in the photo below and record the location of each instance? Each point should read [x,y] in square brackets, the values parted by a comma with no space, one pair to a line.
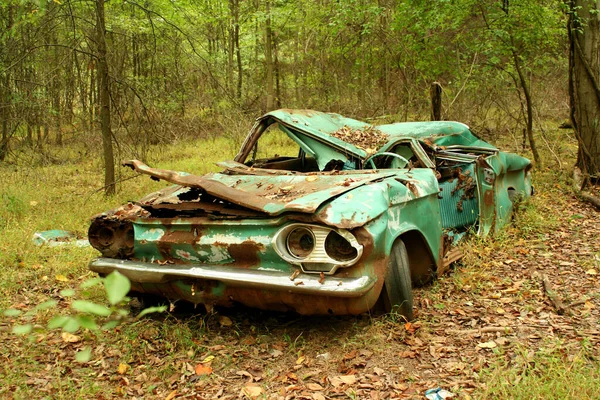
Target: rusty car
[346,218]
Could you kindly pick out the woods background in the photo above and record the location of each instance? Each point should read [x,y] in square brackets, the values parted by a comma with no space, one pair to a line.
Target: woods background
[153,71]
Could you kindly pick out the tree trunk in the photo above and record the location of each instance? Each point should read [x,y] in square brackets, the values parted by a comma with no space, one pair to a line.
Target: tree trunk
[238,52]
[230,47]
[529,107]
[269,59]
[436,101]
[104,97]
[4,115]
[277,72]
[584,79]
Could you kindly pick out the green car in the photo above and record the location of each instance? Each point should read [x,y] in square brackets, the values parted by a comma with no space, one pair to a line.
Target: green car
[317,213]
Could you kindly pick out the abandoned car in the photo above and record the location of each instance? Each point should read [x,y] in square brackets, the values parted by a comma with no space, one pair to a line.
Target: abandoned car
[344,219]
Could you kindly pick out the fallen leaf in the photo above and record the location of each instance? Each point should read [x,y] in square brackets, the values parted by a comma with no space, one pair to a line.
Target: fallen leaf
[566,264]
[314,386]
[62,278]
[487,345]
[207,359]
[122,368]
[202,369]
[252,391]
[171,395]
[245,373]
[591,271]
[69,337]
[300,360]
[348,379]
[589,305]
[292,376]
[407,354]
[276,353]
[335,382]
[350,355]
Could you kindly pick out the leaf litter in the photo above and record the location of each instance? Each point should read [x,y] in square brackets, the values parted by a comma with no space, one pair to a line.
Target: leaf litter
[498,309]
[370,139]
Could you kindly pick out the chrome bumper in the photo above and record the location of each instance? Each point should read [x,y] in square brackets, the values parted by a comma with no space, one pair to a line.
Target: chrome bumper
[145,272]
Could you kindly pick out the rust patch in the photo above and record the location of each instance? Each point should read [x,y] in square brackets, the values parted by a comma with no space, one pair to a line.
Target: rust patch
[488,198]
[410,185]
[112,237]
[165,251]
[245,254]
[180,237]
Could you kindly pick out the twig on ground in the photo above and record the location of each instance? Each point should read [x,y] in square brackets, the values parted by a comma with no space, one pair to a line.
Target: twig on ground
[560,307]
[578,302]
[486,329]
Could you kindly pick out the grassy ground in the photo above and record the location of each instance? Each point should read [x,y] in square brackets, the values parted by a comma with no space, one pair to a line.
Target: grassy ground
[486,330]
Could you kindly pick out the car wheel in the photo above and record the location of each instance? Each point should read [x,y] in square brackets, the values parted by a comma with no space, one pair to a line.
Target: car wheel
[397,288]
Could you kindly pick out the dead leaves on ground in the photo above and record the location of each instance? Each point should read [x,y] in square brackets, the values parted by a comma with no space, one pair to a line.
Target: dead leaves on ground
[497,309]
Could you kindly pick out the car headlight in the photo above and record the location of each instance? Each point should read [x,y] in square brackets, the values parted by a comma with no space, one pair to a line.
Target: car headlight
[300,242]
[112,238]
[339,248]
[317,248]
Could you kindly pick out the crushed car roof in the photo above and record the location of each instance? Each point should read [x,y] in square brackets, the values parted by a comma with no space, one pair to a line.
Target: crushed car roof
[327,125]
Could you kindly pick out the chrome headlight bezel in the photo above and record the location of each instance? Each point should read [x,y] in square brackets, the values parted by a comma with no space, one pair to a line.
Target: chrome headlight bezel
[317,260]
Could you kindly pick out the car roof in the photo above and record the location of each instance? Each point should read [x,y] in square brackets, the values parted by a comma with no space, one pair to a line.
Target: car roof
[324,125]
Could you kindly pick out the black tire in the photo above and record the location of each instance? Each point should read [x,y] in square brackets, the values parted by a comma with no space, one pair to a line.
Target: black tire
[397,288]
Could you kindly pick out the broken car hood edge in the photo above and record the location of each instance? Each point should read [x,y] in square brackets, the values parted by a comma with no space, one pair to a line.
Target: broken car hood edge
[272,195]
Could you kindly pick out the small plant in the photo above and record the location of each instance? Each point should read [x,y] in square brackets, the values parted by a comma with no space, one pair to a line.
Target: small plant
[85,314]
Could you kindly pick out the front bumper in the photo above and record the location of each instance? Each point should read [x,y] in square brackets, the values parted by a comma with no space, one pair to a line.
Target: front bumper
[145,272]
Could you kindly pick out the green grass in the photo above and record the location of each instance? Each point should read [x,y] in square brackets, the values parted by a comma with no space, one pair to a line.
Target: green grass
[549,374]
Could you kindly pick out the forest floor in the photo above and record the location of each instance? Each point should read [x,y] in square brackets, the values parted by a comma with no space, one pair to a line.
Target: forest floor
[487,329]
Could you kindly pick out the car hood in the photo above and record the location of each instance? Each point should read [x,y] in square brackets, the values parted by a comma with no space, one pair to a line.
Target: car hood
[268,191]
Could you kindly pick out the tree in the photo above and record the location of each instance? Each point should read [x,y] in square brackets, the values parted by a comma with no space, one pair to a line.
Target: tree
[104,95]
[584,83]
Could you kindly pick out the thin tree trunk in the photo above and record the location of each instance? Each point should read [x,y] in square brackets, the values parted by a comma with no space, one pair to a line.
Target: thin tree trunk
[104,97]
[55,88]
[269,59]
[529,107]
[238,52]
[4,116]
[230,47]
[436,101]
[277,72]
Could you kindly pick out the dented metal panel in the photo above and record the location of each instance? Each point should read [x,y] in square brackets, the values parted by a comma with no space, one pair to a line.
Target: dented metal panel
[272,194]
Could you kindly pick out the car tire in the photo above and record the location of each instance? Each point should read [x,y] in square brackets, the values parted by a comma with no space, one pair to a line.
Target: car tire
[397,288]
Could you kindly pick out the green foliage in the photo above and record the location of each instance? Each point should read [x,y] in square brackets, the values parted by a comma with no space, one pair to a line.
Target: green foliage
[85,313]
[12,209]
[117,286]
